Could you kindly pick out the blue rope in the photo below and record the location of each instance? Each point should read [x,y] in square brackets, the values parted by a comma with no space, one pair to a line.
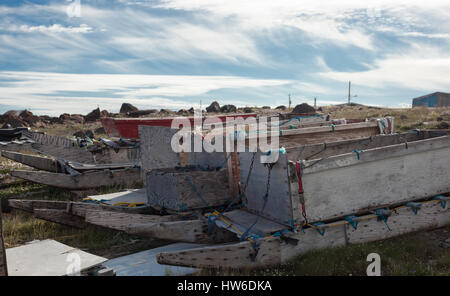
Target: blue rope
[320,231]
[351,220]
[443,200]
[415,206]
[382,214]
[357,153]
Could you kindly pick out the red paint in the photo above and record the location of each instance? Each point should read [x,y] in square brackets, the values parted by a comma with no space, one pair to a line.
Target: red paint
[128,128]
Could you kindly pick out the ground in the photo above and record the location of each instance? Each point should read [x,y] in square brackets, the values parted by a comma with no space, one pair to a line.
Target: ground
[422,253]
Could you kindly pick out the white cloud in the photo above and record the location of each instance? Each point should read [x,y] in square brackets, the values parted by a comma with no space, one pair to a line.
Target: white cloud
[52,91]
[55,28]
[421,68]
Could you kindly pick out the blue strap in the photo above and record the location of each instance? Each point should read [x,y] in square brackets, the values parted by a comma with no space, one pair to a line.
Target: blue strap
[351,220]
[357,153]
[317,228]
[382,213]
[443,200]
[415,206]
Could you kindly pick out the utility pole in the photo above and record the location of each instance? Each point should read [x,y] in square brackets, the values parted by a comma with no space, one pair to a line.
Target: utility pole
[315,102]
[290,102]
[349,86]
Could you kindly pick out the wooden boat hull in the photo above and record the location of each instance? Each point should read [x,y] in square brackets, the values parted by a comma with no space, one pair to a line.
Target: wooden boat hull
[3,265]
[93,179]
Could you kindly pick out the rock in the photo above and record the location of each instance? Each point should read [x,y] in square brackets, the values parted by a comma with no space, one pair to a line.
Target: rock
[127,107]
[30,118]
[141,112]
[12,118]
[71,119]
[282,107]
[191,111]
[248,110]
[93,116]
[304,109]
[104,113]
[214,107]
[182,112]
[166,111]
[228,109]
[266,107]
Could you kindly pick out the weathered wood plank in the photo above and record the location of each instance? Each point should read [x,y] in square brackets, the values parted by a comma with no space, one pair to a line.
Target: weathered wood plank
[93,179]
[123,221]
[183,190]
[60,217]
[3,265]
[430,216]
[237,255]
[38,162]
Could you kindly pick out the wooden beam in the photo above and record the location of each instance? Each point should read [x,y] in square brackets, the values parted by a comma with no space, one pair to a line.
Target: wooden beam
[38,162]
[60,217]
[123,221]
[93,179]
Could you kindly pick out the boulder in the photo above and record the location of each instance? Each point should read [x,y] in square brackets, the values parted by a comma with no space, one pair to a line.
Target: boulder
[248,110]
[12,118]
[304,109]
[166,111]
[141,112]
[266,107]
[126,107]
[214,107]
[93,116]
[71,119]
[281,107]
[228,109]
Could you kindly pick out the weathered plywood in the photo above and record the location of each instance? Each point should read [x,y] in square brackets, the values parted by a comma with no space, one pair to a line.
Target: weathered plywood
[3,265]
[127,196]
[278,206]
[48,258]
[343,185]
[157,152]
[182,190]
[92,179]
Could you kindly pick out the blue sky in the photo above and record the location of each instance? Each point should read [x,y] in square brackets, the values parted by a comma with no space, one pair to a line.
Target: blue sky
[176,53]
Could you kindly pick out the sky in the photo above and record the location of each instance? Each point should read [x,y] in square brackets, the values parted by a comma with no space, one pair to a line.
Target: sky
[72,56]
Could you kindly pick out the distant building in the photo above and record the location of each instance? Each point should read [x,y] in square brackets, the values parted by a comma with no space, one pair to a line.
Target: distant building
[437,99]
